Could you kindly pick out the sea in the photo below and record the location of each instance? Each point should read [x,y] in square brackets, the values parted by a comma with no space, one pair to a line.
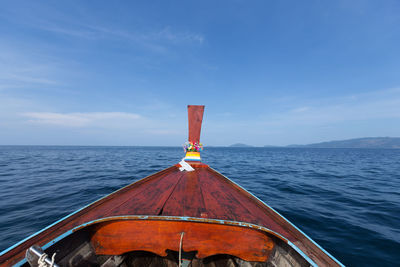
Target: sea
[347,200]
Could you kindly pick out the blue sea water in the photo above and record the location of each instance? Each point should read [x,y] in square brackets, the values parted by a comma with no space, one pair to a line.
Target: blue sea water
[347,200]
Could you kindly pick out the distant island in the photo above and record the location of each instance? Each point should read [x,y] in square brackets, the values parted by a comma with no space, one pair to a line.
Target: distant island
[240,145]
[366,142]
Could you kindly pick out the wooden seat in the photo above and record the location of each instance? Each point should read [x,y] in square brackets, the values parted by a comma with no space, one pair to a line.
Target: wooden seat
[158,236]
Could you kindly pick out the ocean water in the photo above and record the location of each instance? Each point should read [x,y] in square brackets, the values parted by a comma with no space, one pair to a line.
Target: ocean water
[347,200]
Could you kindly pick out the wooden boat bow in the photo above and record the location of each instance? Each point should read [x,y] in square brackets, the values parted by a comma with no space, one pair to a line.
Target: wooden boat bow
[216,215]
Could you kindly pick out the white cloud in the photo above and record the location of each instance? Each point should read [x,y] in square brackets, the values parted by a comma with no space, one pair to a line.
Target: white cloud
[177,37]
[81,119]
[148,38]
[301,109]
[305,120]
[364,106]
[19,68]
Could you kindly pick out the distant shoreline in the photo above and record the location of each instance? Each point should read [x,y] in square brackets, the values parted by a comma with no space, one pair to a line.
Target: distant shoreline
[365,142]
[362,143]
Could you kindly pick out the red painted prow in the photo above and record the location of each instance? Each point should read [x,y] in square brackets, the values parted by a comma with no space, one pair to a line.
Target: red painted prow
[195,115]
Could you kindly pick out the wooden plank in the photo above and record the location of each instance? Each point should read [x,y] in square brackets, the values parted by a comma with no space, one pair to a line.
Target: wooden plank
[240,207]
[151,198]
[219,203]
[187,199]
[116,238]
[195,116]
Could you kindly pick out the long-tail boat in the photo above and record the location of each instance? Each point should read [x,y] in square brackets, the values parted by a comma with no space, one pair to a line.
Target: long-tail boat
[186,215]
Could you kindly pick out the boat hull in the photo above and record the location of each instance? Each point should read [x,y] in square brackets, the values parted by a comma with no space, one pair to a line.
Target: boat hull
[203,193]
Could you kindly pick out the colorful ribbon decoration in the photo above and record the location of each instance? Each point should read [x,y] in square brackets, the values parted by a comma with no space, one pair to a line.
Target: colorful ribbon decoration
[192,147]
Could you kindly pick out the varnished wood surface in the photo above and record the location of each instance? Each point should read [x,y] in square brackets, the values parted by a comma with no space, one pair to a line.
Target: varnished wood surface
[202,193]
[195,116]
[118,237]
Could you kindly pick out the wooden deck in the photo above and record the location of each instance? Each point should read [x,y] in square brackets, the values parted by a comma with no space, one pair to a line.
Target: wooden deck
[203,193]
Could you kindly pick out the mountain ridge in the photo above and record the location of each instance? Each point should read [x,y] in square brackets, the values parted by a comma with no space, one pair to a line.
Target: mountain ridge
[364,142]
[240,145]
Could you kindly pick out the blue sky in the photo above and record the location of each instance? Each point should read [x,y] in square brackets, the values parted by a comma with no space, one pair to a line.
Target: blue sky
[269,72]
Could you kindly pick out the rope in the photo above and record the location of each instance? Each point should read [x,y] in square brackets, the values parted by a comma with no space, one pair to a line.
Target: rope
[180,250]
[42,260]
[52,260]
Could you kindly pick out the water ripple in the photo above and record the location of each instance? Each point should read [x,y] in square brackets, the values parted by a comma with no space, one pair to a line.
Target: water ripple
[348,200]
